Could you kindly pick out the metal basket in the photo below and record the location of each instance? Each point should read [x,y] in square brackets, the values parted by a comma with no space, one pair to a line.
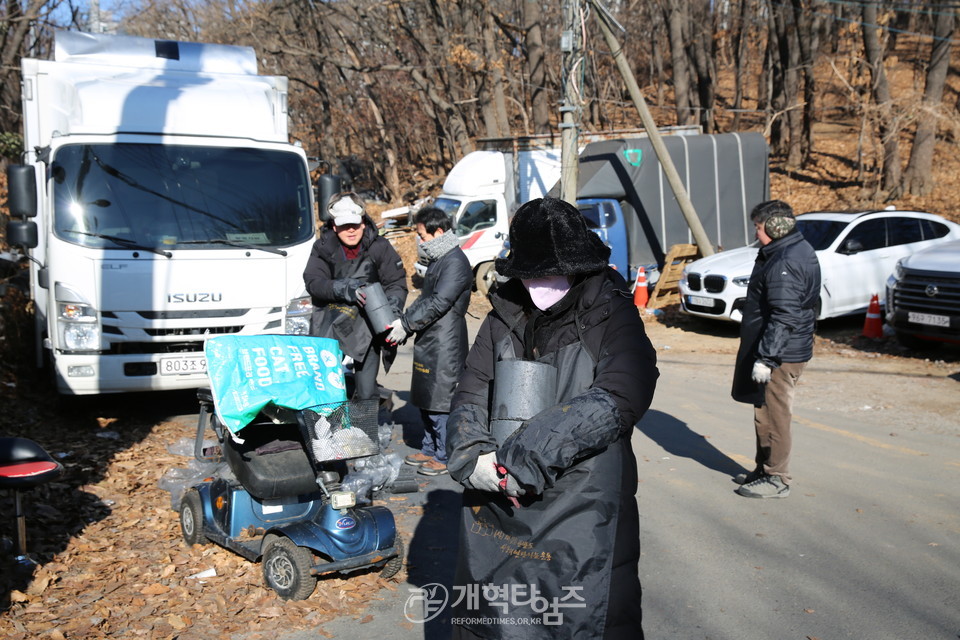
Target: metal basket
[342,430]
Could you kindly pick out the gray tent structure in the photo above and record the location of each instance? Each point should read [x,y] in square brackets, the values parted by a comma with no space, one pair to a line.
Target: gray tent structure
[725,175]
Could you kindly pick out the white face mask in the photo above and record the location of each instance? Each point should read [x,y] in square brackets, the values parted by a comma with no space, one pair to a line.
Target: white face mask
[548,291]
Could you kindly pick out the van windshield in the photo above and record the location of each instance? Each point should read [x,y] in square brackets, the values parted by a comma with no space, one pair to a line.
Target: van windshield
[178,196]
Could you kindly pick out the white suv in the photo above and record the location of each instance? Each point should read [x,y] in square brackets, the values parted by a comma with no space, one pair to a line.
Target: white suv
[857,252]
[923,296]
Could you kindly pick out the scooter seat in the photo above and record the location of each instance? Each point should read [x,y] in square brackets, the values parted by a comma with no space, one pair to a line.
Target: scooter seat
[24,464]
[271,462]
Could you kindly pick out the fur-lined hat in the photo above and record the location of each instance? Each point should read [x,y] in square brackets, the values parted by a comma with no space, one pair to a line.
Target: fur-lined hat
[549,237]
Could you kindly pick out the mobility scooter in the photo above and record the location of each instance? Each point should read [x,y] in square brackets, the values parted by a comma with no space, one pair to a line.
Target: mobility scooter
[279,498]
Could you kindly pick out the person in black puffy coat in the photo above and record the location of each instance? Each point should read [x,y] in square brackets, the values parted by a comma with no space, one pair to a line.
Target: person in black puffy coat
[348,255]
[440,346]
[776,342]
[550,529]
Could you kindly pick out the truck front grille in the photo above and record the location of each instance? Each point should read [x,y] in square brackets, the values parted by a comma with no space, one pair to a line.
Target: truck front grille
[914,294]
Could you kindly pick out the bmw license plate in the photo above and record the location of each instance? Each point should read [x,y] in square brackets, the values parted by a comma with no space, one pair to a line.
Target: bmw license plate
[929,319]
[183,365]
[700,301]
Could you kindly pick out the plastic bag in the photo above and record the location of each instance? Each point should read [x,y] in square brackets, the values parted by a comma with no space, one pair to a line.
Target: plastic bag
[338,444]
[249,372]
[178,479]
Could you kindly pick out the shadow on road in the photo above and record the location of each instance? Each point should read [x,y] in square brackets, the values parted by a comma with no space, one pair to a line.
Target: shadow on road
[678,439]
[433,555]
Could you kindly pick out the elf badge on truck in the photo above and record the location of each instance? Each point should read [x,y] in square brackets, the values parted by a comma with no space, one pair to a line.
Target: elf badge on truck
[160,202]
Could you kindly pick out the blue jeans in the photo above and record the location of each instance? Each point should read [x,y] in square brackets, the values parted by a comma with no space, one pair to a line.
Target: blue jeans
[434,435]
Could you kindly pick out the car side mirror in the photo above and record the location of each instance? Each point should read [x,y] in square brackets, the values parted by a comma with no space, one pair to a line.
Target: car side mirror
[851,246]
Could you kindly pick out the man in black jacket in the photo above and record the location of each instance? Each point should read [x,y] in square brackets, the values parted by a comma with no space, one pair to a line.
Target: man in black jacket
[440,346]
[776,342]
[550,527]
[348,255]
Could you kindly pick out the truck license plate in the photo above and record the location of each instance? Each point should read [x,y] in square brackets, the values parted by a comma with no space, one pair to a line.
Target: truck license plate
[928,318]
[700,301]
[183,365]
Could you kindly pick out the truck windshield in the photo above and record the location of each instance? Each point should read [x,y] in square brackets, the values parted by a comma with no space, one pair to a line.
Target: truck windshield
[177,196]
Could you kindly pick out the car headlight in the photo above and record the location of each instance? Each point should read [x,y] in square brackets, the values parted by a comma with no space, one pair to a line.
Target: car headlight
[297,321]
[78,326]
[741,281]
[683,278]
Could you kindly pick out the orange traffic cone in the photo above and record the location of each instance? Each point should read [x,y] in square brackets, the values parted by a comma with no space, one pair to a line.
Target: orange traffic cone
[873,325]
[640,294]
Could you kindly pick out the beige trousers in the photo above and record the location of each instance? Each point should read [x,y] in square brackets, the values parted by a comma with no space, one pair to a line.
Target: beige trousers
[772,421]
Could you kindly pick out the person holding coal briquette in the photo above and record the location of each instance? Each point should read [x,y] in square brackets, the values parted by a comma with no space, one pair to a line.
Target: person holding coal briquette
[550,524]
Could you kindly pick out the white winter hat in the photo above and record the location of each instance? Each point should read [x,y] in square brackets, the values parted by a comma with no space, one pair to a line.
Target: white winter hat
[345,211]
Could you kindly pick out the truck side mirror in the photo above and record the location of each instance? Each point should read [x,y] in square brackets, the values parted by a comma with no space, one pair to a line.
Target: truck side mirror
[22,187]
[22,233]
[328,185]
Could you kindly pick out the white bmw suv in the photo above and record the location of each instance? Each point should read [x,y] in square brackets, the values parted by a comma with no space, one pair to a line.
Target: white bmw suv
[857,251]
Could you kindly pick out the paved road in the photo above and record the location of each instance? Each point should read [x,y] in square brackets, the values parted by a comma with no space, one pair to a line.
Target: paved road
[867,545]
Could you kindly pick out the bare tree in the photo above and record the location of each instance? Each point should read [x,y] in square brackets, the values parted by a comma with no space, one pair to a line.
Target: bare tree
[887,125]
[918,177]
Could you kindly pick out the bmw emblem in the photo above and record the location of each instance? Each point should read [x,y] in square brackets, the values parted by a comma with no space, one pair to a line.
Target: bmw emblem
[346,522]
[932,291]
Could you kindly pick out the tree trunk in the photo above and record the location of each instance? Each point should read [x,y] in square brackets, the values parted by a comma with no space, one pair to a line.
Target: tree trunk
[536,67]
[881,95]
[703,54]
[918,178]
[391,175]
[807,41]
[740,38]
[676,18]
[19,20]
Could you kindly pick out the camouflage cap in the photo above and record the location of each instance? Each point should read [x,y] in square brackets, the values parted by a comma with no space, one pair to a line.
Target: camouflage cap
[779,226]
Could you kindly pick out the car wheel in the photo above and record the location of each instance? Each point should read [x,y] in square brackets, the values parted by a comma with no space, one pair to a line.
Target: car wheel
[485,278]
[286,569]
[191,518]
[393,565]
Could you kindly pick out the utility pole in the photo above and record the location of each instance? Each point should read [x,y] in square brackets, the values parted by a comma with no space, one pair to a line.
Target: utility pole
[669,170]
[571,54]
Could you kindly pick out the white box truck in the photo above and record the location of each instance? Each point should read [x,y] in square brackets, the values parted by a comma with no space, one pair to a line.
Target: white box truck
[485,188]
[159,202]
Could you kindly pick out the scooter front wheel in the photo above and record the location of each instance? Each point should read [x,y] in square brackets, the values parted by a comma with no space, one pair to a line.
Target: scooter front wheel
[191,518]
[393,565]
[286,569]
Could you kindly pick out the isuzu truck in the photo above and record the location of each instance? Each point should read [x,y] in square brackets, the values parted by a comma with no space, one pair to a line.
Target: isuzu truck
[159,201]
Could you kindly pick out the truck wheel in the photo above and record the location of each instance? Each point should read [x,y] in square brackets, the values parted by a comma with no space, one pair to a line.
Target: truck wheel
[191,518]
[486,278]
[286,569]
[393,565]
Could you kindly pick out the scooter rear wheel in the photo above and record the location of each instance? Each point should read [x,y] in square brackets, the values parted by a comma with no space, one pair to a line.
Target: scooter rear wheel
[191,518]
[393,565]
[286,569]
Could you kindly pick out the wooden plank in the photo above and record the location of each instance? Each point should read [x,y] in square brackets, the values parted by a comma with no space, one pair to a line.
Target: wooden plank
[667,290]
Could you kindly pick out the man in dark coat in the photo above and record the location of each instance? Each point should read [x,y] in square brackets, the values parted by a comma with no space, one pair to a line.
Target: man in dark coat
[348,255]
[549,536]
[440,346]
[776,342]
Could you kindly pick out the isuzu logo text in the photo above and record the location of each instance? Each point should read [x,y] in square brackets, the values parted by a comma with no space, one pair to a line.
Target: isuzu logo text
[194,297]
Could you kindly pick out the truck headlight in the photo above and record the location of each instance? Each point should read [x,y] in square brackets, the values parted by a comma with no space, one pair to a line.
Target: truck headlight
[79,329]
[741,281]
[898,270]
[299,312]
